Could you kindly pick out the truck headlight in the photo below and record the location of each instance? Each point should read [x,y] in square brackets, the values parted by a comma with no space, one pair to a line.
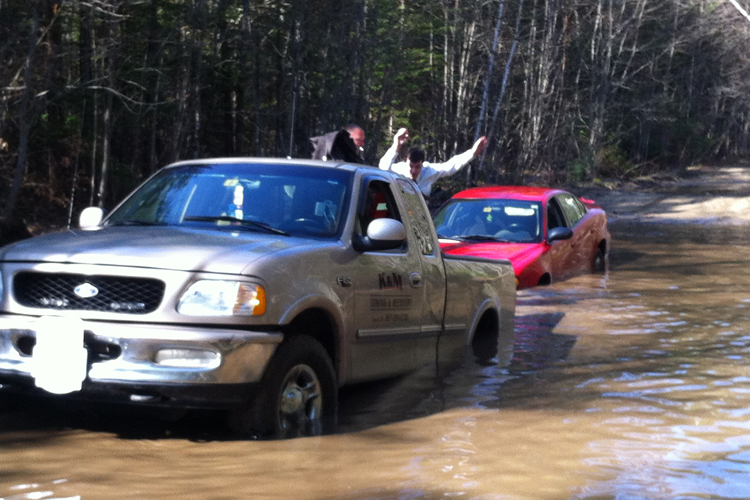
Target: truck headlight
[223,298]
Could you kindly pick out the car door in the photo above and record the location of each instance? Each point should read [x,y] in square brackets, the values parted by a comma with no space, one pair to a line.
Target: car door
[559,253]
[582,246]
[388,293]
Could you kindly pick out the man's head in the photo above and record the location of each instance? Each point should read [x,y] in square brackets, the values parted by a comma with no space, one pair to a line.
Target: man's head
[357,134]
[416,157]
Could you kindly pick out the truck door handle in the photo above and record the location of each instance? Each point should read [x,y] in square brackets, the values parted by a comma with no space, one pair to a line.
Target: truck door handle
[415,279]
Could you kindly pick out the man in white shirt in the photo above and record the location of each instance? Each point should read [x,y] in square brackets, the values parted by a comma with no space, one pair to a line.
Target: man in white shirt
[425,173]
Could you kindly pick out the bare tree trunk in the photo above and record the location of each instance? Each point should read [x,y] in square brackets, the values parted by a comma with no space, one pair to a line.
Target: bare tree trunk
[490,69]
[178,130]
[152,157]
[602,54]
[245,79]
[504,83]
[466,83]
[179,121]
[94,143]
[107,119]
[487,81]
[448,50]
[258,74]
[528,106]
[295,47]
[25,119]
[74,182]
[740,9]
[86,44]
[199,26]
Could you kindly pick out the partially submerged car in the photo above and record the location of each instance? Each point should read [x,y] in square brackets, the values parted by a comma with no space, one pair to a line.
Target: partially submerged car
[548,234]
[256,285]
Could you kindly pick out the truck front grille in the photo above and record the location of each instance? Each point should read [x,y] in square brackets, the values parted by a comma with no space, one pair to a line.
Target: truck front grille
[88,293]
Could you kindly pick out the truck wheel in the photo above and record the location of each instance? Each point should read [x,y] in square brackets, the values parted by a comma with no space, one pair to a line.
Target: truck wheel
[298,395]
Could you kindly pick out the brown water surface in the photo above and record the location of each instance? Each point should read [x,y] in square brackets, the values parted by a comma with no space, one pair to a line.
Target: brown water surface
[633,384]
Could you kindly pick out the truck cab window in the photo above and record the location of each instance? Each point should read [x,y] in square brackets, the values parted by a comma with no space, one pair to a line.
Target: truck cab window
[379,203]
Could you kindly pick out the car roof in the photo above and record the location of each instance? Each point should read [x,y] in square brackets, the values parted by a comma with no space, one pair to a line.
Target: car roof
[274,161]
[531,193]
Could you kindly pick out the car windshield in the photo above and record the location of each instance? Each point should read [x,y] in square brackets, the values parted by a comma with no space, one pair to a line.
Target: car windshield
[271,198]
[513,221]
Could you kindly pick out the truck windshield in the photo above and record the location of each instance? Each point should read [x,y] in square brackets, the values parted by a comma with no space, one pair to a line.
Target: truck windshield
[514,221]
[278,198]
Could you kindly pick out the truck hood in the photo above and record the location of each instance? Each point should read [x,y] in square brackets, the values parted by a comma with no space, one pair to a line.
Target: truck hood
[173,248]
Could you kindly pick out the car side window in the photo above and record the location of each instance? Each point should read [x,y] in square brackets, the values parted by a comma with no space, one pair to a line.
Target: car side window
[573,209]
[554,215]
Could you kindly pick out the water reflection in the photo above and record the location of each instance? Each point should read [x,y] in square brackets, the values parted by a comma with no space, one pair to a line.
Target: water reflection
[536,344]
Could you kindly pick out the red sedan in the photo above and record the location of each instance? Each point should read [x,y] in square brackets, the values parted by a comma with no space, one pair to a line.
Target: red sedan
[548,234]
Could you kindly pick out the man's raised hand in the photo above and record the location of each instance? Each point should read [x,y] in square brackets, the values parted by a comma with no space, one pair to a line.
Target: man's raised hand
[401,137]
[479,145]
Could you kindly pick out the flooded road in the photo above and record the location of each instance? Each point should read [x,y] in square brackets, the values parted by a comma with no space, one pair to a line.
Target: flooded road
[630,385]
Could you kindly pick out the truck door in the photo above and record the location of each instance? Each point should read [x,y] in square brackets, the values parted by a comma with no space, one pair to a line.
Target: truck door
[388,293]
[433,271]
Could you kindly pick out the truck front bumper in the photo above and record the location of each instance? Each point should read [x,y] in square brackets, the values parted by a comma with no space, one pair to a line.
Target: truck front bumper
[143,363]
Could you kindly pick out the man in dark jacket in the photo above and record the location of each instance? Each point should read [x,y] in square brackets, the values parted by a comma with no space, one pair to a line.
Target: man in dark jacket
[343,145]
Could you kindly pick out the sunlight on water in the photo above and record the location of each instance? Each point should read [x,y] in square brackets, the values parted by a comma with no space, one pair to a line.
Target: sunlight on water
[672,399]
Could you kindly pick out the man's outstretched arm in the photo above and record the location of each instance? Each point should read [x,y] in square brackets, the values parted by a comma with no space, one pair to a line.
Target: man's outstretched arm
[390,156]
[456,163]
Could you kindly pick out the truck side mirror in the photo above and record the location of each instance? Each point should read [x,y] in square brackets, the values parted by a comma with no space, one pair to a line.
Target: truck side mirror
[382,234]
[559,233]
[90,217]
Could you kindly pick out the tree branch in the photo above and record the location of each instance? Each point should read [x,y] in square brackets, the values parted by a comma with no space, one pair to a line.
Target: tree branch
[739,8]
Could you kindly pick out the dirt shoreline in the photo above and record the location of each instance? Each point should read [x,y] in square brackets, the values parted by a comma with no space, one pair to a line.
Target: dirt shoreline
[701,195]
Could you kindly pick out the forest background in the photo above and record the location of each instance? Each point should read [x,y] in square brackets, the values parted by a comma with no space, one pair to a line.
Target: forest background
[97,95]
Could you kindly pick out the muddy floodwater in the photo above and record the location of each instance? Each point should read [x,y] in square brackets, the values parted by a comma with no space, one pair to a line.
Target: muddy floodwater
[634,384]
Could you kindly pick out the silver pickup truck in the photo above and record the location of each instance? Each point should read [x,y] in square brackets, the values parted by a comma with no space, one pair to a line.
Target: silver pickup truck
[256,285]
